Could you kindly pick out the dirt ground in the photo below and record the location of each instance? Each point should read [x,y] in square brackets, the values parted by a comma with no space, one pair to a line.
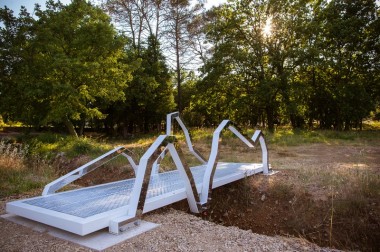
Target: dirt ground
[178,231]
[317,195]
[312,198]
[327,194]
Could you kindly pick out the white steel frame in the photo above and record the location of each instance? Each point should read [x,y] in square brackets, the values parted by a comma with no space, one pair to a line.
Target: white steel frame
[212,160]
[70,177]
[169,119]
[197,192]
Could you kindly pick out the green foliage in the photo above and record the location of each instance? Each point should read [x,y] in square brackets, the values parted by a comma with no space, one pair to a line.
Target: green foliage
[342,82]
[49,145]
[149,96]
[291,137]
[20,171]
[2,124]
[319,63]
[60,66]
[67,66]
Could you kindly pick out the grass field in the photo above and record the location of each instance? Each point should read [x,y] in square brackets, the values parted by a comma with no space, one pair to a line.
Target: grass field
[327,191]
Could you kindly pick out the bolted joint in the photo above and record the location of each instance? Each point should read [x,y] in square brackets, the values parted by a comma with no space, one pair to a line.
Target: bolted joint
[128,226]
[202,207]
[139,213]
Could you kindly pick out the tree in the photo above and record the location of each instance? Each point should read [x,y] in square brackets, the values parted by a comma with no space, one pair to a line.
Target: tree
[15,33]
[178,18]
[169,21]
[69,62]
[140,19]
[318,62]
[239,82]
[348,52]
[149,96]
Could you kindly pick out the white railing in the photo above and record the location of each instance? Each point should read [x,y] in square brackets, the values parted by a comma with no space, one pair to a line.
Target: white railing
[213,158]
[211,165]
[169,119]
[149,165]
[140,188]
[70,177]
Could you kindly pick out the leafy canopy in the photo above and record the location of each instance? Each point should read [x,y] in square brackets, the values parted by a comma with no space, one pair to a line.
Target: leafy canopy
[61,64]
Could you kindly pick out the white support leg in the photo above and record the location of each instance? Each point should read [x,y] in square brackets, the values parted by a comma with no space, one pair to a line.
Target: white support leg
[190,189]
[258,135]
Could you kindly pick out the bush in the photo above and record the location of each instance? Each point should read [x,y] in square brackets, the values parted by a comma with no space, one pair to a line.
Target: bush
[19,171]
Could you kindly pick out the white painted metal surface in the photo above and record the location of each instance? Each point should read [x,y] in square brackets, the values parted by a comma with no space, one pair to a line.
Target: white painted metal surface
[98,241]
[112,205]
[169,131]
[86,210]
[86,168]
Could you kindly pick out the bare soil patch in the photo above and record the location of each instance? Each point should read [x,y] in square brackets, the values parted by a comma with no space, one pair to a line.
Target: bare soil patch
[323,193]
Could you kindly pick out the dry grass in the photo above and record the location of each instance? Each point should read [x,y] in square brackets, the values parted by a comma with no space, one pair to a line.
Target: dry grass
[20,172]
[328,190]
[12,156]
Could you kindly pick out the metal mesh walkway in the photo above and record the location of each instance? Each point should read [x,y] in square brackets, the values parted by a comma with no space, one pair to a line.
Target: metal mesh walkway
[94,200]
[112,205]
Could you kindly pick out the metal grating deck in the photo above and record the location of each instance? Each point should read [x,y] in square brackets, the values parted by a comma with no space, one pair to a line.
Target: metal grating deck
[90,202]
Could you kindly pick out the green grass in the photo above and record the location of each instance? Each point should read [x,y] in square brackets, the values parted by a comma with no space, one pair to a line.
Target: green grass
[285,136]
[16,182]
[49,145]
[16,159]
[20,171]
[290,137]
[29,163]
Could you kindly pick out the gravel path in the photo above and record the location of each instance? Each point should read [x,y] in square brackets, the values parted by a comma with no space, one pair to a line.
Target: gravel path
[179,231]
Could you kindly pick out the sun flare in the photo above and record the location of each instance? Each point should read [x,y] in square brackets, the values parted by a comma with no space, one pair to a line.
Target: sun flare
[267,31]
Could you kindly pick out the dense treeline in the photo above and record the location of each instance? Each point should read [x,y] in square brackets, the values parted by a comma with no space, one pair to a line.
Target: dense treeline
[119,66]
[319,63]
[68,66]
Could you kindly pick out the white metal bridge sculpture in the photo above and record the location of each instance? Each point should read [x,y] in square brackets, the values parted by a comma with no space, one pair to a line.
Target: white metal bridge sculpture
[117,204]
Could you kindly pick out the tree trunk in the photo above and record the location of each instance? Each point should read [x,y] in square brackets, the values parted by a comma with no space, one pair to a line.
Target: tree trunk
[81,127]
[178,70]
[270,118]
[70,127]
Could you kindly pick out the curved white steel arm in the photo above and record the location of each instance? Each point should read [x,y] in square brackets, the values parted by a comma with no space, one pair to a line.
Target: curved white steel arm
[211,164]
[144,171]
[131,161]
[212,161]
[187,176]
[57,184]
[156,164]
[138,195]
[264,151]
[169,119]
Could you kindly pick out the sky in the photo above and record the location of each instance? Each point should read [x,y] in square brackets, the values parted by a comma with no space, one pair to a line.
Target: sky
[29,4]
[211,3]
[15,5]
